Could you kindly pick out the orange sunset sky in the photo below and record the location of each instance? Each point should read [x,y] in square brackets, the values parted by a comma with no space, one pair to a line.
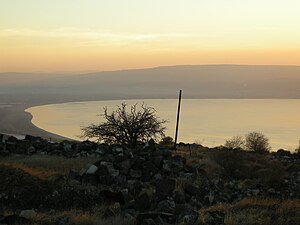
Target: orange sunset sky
[95,35]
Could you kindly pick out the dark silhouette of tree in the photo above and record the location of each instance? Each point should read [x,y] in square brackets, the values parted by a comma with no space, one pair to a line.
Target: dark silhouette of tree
[257,142]
[236,142]
[127,127]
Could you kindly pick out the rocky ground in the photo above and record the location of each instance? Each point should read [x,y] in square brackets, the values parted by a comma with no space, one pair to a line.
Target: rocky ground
[149,185]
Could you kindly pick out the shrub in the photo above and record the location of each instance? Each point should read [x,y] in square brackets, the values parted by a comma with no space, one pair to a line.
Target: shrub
[127,127]
[236,142]
[167,141]
[257,142]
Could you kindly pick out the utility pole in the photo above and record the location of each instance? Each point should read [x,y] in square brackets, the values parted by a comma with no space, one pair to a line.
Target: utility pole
[177,122]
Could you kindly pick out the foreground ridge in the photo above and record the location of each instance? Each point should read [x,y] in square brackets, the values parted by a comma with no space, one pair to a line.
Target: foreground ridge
[150,184]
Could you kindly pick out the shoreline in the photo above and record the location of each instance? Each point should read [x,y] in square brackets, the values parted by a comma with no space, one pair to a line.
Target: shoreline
[17,122]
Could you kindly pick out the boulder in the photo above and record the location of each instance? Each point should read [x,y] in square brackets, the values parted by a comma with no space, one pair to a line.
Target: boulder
[158,217]
[148,222]
[28,214]
[118,151]
[65,220]
[166,206]
[15,220]
[31,150]
[135,173]
[90,179]
[165,187]
[108,196]
[214,217]
[157,161]
[192,189]
[92,169]
[185,214]
[142,202]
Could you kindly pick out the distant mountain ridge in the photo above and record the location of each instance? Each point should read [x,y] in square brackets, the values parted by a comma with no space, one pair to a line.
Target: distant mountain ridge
[196,81]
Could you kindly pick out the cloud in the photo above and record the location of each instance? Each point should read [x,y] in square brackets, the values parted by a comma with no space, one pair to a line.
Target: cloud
[89,34]
[102,38]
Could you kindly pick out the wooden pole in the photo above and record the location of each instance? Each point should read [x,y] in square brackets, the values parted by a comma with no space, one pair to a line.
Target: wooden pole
[177,122]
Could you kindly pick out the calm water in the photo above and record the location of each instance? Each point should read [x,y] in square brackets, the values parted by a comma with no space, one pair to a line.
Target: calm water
[205,121]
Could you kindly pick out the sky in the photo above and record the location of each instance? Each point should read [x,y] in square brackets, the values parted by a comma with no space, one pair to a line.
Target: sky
[97,35]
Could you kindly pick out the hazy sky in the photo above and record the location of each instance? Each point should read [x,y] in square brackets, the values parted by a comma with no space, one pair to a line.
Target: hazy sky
[89,35]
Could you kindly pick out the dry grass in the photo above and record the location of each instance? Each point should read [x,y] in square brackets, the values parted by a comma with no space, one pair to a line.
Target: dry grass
[241,165]
[46,166]
[41,173]
[255,211]
[78,217]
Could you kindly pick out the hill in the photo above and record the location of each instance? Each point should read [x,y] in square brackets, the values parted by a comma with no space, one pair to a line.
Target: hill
[197,81]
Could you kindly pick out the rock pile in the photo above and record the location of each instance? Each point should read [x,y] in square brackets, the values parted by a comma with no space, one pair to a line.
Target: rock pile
[151,184]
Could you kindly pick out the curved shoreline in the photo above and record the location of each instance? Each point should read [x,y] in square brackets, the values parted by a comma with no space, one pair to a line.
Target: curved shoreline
[49,135]
[16,121]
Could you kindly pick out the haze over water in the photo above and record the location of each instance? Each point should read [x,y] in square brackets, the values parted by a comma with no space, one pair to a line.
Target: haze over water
[205,121]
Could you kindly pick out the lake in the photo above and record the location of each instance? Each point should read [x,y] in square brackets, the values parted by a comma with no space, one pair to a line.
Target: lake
[205,121]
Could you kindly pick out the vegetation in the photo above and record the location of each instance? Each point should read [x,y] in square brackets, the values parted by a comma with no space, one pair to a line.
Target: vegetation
[236,142]
[45,166]
[236,170]
[127,127]
[257,142]
[167,142]
[257,211]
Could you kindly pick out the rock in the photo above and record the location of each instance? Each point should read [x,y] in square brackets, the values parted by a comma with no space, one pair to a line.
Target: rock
[108,213]
[142,202]
[83,170]
[213,218]
[92,169]
[102,170]
[118,151]
[174,164]
[28,214]
[31,150]
[185,214]
[90,179]
[255,192]
[73,174]
[125,165]
[106,180]
[179,198]
[2,147]
[195,202]
[15,220]
[209,198]
[113,172]
[148,222]
[109,197]
[135,173]
[12,139]
[155,216]
[166,206]
[271,191]
[157,161]
[192,189]
[165,187]
[150,168]
[65,221]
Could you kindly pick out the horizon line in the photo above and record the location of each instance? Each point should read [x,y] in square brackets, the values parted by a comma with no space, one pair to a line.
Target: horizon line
[144,68]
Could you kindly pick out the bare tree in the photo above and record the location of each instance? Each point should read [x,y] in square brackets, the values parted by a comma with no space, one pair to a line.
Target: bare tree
[236,142]
[256,141]
[127,127]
